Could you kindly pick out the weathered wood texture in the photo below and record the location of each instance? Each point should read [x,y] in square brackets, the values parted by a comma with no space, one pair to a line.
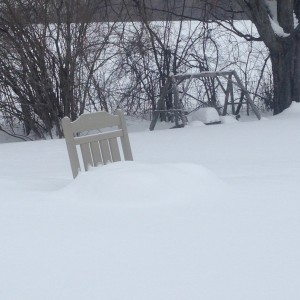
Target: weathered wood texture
[99,148]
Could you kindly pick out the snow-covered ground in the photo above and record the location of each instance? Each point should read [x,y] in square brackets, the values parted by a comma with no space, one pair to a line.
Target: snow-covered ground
[204,212]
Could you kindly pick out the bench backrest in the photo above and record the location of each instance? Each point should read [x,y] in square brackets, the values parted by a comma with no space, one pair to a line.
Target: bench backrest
[96,148]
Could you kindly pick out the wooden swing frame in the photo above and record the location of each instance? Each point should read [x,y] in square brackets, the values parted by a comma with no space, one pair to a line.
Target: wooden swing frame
[172,86]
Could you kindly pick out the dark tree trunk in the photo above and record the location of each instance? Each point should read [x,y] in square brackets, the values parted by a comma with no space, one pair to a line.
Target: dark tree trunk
[286,73]
[296,75]
[285,14]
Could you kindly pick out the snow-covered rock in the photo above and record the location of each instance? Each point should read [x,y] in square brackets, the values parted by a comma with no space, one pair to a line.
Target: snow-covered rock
[228,119]
[207,115]
[196,124]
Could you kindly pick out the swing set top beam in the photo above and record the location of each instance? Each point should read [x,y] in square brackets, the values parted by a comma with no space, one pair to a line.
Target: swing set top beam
[183,76]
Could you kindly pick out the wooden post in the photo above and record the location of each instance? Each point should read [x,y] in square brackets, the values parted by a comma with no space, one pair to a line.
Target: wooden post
[231,95]
[176,100]
[240,103]
[71,146]
[248,98]
[124,138]
[226,98]
[221,85]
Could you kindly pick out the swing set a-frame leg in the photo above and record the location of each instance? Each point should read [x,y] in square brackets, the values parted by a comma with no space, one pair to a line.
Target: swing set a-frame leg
[246,93]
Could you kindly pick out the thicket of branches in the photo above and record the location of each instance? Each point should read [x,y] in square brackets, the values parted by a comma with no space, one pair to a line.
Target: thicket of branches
[49,70]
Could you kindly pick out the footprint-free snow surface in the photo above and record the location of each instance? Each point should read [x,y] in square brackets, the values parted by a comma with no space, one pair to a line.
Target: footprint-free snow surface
[203,212]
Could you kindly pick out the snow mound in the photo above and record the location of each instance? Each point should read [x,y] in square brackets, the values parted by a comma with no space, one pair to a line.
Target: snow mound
[206,115]
[291,112]
[228,120]
[196,124]
[264,119]
[141,183]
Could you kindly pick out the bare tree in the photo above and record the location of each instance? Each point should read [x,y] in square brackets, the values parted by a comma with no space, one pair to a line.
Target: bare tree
[155,50]
[47,69]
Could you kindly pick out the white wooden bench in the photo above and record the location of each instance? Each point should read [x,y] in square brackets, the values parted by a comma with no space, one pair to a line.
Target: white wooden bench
[96,148]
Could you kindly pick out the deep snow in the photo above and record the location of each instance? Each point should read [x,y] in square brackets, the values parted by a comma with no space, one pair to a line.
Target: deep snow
[203,212]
